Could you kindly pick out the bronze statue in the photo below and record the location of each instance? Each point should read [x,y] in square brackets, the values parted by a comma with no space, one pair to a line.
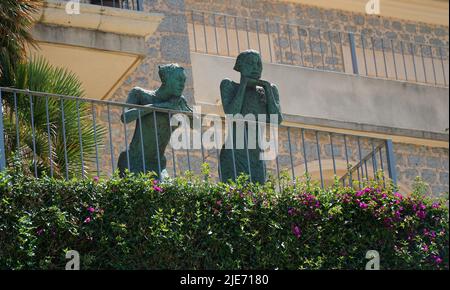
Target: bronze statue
[251,96]
[168,96]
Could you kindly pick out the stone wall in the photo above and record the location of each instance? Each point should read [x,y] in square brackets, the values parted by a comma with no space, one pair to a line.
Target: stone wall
[297,34]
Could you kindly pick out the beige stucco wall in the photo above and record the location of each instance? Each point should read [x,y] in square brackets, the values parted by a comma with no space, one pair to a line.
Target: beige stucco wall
[335,96]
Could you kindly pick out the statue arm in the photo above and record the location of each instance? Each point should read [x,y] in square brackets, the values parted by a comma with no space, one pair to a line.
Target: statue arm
[131,115]
[232,104]
[273,101]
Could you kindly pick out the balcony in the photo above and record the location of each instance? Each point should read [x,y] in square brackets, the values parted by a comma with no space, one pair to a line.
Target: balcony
[49,145]
[102,45]
[332,79]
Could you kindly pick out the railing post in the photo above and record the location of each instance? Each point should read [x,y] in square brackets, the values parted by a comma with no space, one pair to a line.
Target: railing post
[391,161]
[139,6]
[2,137]
[351,38]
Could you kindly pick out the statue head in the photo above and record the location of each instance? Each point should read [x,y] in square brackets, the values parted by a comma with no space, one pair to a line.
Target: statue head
[173,79]
[249,64]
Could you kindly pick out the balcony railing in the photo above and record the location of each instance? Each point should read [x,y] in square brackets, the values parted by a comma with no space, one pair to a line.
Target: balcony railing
[121,4]
[292,44]
[65,136]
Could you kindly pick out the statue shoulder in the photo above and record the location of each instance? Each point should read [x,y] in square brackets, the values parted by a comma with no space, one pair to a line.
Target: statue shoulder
[141,96]
[184,104]
[228,86]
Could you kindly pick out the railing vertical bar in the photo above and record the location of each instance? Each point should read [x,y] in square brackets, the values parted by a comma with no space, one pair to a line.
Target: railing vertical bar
[390,155]
[276,158]
[321,49]
[364,54]
[94,124]
[304,150]
[300,45]
[270,43]
[111,145]
[290,43]
[2,137]
[374,161]
[204,32]
[126,137]
[218,154]
[80,139]
[394,58]
[360,157]
[320,159]
[142,141]
[173,150]
[258,36]
[434,67]
[248,33]
[332,153]
[279,42]
[226,34]
[187,150]
[374,56]
[382,165]
[413,54]
[17,122]
[155,125]
[49,139]
[237,35]
[423,64]
[193,31]
[248,154]
[66,161]
[383,49]
[404,60]
[332,50]
[443,66]
[33,135]
[347,160]
[290,152]
[355,67]
[215,33]
[342,51]
[310,47]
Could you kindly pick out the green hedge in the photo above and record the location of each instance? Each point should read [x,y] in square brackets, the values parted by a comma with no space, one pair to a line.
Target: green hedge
[192,223]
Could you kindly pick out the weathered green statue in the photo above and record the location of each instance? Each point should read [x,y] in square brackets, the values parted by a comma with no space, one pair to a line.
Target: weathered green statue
[251,96]
[168,96]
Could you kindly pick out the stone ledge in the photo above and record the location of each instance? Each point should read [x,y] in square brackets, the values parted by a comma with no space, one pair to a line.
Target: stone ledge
[105,19]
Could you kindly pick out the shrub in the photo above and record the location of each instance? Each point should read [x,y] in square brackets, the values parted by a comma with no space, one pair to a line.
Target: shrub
[193,223]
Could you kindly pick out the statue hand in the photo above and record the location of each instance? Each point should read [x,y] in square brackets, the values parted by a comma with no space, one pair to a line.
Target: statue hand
[265,84]
[249,81]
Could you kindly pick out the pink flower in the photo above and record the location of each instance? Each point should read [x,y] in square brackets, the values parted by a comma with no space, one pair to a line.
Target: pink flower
[436,205]
[425,248]
[437,259]
[384,195]
[359,193]
[87,220]
[157,188]
[296,231]
[96,178]
[91,209]
[398,195]
[363,205]
[421,214]
[219,202]
[291,211]
[39,232]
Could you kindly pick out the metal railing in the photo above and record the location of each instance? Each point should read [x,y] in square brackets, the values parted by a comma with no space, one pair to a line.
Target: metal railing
[65,136]
[292,44]
[121,4]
